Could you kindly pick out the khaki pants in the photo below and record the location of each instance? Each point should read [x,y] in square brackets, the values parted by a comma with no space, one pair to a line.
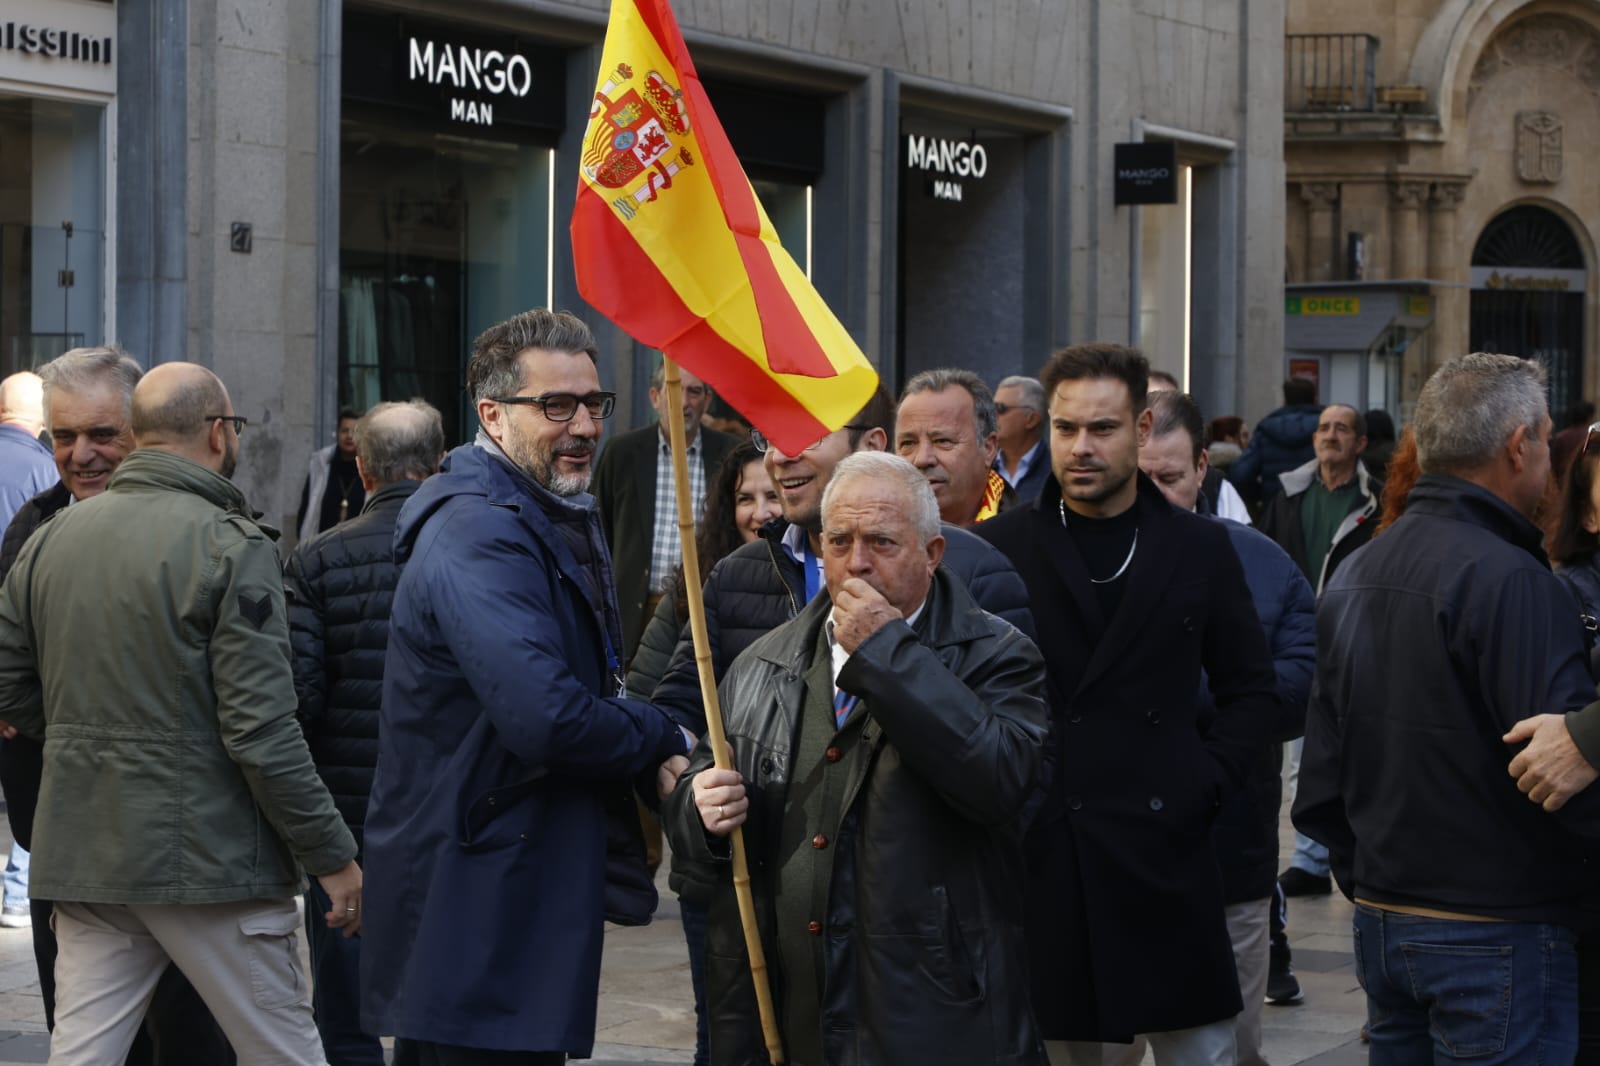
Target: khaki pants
[241,957]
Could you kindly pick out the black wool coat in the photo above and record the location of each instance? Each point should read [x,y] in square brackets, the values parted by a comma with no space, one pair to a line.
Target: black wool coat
[1126,932]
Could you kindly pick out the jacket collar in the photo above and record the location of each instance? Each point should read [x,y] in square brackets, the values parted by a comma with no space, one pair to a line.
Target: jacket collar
[391,495]
[154,468]
[1299,479]
[1464,501]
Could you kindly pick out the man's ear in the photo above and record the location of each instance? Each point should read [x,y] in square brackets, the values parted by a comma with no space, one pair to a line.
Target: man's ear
[1514,447]
[991,448]
[491,416]
[369,484]
[1204,464]
[1146,420]
[874,440]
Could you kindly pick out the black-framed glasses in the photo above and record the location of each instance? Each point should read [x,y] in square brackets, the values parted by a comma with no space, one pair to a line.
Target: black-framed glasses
[563,406]
[759,439]
[239,422]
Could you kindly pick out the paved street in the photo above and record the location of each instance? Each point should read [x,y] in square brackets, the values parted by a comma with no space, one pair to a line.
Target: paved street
[646,1009]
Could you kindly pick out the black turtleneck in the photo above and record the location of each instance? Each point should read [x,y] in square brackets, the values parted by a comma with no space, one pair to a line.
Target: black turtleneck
[1104,544]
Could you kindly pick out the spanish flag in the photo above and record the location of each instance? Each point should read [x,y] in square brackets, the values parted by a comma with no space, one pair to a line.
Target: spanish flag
[671,244]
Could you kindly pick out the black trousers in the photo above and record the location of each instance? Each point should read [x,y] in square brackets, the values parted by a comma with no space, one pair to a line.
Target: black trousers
[423,1053]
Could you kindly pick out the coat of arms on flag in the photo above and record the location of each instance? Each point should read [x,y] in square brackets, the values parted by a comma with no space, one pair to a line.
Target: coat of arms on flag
[635,131]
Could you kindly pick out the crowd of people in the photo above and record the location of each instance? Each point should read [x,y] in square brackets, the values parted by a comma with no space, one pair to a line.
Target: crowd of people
[1007,678]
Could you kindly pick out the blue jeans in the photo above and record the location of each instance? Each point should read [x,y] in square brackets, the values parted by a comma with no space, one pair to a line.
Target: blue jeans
[16,877]
[1447,991]
[1309,856]
[336,988]
[695,918]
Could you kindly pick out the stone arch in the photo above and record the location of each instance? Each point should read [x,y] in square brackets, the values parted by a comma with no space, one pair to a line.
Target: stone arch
[1465,35]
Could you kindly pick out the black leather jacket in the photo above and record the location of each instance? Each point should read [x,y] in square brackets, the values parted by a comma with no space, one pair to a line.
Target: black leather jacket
[340,586]
[923,951]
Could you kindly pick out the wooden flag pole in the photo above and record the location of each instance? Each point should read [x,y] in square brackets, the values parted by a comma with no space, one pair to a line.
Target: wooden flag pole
[716,737]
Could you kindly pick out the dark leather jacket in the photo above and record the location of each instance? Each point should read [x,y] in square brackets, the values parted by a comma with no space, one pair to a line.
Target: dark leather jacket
[923,952]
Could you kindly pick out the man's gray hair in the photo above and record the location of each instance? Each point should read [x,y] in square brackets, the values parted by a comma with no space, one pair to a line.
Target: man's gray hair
[923,509]
[396,441]
[496,369]
[984,418]
[1032,391]
[1471,405]
[82,369]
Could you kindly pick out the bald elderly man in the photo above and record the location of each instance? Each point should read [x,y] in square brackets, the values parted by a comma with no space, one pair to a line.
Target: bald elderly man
[173,820]
[27,467]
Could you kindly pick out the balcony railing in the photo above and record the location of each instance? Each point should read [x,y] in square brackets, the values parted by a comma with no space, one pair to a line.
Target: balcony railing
[1330,72]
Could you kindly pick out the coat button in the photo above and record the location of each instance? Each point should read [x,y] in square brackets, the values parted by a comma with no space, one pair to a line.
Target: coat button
[768,767]
[491,801]
[1075,719]
[1153,716]
[819,841]
[833,755]
[1188,625]
[1074,803]
[1155,803]
[814,928]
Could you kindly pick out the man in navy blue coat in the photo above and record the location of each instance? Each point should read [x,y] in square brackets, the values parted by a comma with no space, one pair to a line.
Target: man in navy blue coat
[503,734]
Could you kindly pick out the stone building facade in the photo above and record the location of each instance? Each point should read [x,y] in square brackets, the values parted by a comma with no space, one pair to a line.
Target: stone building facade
[1439,199]
[294,194]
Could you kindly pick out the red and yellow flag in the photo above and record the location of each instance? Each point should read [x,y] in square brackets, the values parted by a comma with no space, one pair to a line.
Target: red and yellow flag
[671,244]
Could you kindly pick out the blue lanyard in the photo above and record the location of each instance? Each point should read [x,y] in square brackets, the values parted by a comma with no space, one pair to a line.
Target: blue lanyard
[813,577]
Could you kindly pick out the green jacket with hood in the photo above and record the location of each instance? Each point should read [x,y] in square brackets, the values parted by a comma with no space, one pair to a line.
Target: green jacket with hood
[143,638]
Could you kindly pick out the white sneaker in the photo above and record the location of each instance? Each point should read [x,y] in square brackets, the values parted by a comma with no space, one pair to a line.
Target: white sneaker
[16,916]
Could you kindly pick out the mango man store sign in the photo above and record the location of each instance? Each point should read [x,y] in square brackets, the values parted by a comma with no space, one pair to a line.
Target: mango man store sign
[452,79]
[950,160]
[1322,305]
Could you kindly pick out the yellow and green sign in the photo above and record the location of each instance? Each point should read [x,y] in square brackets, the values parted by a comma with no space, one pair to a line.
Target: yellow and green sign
[1322,305]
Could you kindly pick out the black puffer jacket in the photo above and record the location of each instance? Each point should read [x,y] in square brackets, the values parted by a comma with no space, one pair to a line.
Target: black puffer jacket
[340,586]
[921,919]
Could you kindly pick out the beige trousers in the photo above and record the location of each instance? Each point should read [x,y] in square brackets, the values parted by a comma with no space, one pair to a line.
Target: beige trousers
[241,957]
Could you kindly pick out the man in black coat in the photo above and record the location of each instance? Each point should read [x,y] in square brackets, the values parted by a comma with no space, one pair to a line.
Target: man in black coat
[1132,599]
[339,586]
[638,501]
[889,738]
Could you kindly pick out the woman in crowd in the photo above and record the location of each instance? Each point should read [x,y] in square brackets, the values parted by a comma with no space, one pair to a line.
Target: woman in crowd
[740,500]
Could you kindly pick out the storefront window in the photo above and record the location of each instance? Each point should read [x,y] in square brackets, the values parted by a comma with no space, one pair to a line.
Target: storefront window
[440,238]
[52,229]
[1166,255]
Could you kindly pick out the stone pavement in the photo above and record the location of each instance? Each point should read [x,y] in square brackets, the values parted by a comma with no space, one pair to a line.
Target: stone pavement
[647,1009]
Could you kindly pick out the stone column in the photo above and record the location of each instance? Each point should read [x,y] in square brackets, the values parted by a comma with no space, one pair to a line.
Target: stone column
[1405,226]
[1449,259]
[1321,197]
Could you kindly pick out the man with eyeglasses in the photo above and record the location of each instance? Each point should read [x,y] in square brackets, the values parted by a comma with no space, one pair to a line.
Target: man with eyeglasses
[88,398]
[176,815]
[1024,459]
[633,483]
[507,754]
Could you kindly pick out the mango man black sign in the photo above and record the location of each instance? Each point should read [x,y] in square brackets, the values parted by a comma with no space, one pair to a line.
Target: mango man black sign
[1146,173]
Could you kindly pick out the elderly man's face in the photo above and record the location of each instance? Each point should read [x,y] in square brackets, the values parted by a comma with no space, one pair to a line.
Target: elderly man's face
[91,434]
[937,432]
[867,533]
[1168,460]
[696,402]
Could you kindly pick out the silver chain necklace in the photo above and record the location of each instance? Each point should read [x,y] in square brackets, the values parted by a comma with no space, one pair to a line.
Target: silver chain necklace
[1123,569]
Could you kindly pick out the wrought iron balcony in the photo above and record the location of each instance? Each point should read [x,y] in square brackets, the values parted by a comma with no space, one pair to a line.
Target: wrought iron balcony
[1330,72]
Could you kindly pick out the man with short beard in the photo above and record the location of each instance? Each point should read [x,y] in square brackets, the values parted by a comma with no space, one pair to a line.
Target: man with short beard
[505,746]
[1134,602]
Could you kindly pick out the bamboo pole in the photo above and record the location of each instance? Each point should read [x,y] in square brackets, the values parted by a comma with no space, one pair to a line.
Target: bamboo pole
[716,737]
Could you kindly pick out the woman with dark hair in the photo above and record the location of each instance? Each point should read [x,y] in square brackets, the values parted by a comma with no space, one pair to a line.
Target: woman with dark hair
[739,501]
[1575,541]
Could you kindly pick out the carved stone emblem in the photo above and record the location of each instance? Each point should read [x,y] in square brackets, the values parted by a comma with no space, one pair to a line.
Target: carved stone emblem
[1539,147]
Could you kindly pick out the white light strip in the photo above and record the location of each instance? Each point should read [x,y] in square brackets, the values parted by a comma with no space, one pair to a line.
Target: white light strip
[1188,267]
[550,235]
[808,232]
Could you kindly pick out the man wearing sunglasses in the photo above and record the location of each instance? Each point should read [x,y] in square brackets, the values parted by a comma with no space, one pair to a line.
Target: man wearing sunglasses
[505,747]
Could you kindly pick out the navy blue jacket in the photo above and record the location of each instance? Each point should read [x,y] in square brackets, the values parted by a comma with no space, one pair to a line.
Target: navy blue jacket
[500,738]
[1245,833]
[1432,641]
[1280,443]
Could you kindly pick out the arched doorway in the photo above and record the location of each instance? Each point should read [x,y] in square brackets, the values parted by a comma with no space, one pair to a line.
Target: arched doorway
[1528,282]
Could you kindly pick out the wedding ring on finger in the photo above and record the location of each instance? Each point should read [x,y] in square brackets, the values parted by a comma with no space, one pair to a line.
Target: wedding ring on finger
[720,816]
